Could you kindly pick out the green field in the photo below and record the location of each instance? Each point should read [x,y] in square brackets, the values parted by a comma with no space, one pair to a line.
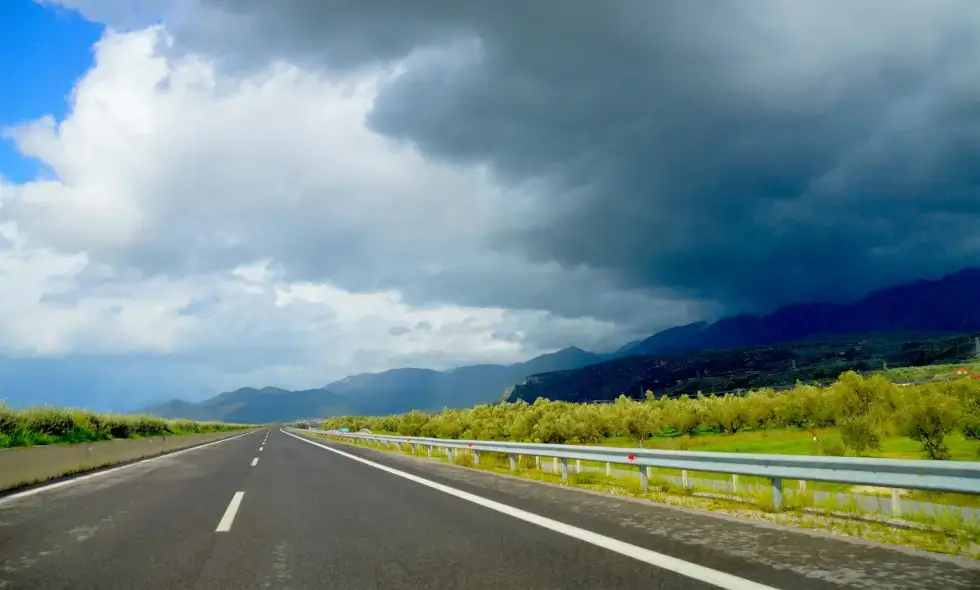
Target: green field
[797,441]
[47,425]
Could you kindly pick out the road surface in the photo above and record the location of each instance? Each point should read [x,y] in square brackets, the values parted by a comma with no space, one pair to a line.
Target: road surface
[272,511]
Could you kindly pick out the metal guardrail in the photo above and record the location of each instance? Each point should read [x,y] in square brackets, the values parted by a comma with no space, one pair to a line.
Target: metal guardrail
[940,476]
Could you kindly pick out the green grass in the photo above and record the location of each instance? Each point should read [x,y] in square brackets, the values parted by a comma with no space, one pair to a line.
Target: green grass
[49,425]
[794,441]
[937,372]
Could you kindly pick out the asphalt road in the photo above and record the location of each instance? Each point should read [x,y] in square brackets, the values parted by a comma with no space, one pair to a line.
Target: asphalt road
[296,515]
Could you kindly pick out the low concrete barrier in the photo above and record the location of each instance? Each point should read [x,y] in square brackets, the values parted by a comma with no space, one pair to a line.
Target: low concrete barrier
[26,465]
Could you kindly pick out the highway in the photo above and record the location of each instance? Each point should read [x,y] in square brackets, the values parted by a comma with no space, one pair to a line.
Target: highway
[269,510]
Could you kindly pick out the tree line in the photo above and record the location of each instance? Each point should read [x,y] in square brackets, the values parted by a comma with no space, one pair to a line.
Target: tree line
[862,409]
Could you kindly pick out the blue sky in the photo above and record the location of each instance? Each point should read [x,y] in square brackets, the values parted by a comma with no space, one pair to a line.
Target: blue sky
[43,51]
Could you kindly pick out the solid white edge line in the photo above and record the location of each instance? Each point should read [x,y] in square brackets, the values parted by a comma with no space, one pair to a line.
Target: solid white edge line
[229,516]
[82,478]
[679,566]
[255,461]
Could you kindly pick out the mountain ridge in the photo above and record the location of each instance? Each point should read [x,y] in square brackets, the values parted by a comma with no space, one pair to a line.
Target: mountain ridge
[924,307]
[941,305]
[394,390]
[937,305]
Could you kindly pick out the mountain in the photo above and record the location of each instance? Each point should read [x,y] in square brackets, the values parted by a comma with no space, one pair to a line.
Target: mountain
[943,305]
[711,371]
[748,350]
[388,392]
[677,339]
[663,362]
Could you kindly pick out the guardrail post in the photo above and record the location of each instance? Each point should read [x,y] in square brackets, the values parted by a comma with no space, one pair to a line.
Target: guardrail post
[513,463]
[564,469]
[608,468]
[578,466]
[644,479]
[554,464]
[537,463]
[803,485]
[476,457]
[896,503]
[449,453]
[735,483]
[430,451]
[777,493]
[685,482]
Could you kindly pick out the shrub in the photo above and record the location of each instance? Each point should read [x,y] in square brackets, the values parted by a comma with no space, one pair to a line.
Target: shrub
[638,420]
[832,446]
[863,407]
[967,394]
[731,413]
[682,415]
[929,417]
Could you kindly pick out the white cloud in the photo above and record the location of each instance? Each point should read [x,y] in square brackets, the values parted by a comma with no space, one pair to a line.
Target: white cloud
[257,225]
[203,170]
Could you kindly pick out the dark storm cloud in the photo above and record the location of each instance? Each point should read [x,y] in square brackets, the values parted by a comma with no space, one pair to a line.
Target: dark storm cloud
[751,168]
[750,153]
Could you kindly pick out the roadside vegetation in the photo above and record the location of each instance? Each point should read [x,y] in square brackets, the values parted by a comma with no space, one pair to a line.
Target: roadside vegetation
[48,425]
[856,415]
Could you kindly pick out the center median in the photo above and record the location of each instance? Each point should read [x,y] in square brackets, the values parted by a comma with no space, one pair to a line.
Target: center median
[24,466]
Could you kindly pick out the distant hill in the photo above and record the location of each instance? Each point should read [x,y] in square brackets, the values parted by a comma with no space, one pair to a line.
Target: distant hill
[667,361]
[712,371]
[662,362]
[397,390]
[946,305]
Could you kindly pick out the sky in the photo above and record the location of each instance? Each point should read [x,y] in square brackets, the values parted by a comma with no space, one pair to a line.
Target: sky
[200,195]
